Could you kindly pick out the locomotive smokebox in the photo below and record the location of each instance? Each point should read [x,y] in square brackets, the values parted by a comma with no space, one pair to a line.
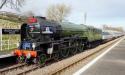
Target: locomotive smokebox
[39,29]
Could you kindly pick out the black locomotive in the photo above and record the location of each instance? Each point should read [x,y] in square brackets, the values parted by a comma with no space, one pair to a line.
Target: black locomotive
[42,39]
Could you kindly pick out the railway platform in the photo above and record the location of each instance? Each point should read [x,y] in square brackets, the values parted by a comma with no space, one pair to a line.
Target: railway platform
[5,54]
[111,63]
[5,58]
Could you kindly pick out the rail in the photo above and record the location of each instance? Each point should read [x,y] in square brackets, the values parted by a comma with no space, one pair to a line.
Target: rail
[54,69]
[5,70]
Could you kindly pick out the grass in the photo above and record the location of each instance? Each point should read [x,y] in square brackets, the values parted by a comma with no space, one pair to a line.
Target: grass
[9,24]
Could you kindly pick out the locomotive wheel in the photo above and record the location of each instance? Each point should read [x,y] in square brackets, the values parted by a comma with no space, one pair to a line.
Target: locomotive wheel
[81,48]
[42,59]
[56,56]
[20,59]
[35,60]
[89,45]
[27,60]
[73,50]
[64,53]
[85,45]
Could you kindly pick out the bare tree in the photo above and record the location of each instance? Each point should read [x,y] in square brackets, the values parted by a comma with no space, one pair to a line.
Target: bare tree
[58,12]
[11,3]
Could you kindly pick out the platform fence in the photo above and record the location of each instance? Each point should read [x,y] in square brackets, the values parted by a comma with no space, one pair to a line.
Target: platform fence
[7,45]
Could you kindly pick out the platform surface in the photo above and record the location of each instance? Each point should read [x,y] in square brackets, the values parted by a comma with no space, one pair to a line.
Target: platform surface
[5,54]
[112,63]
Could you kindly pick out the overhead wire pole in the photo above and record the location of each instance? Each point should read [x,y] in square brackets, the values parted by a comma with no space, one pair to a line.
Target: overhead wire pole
[85,17]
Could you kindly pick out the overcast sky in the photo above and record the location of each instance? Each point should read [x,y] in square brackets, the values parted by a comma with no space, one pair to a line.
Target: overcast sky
[99,12]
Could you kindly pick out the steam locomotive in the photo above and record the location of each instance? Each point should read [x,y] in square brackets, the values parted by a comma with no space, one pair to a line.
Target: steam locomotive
[42,40]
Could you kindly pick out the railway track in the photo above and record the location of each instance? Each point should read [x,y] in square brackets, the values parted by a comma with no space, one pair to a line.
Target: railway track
[34,68]
[5,70]
[20,69]
[50,69]
[53,69]
[29,70]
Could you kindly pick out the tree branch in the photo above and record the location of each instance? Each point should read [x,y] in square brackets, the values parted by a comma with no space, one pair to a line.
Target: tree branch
[3,3]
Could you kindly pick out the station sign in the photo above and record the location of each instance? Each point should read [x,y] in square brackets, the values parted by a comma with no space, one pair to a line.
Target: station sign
[10,31]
